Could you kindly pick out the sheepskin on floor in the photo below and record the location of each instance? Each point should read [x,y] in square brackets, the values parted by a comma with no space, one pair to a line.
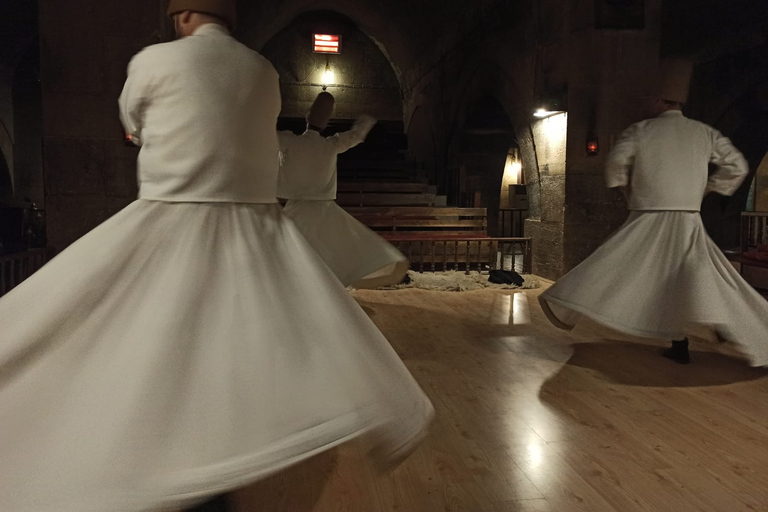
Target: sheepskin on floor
[458,282]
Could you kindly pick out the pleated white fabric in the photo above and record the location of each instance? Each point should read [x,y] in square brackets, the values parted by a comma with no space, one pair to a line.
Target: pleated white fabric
[357,255]
[180,350]
[656,277]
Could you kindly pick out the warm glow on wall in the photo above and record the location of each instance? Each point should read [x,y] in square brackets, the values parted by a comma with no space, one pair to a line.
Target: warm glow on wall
[550,136]
[328,76]
[555,126]
[512,170]
[512,178]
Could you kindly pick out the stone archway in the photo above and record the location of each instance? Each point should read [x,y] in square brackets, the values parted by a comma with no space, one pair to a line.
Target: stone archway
[483,144]
[260,22]
[488,117]
[364,81]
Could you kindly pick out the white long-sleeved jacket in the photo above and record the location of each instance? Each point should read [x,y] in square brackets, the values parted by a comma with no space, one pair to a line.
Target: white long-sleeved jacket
[664,162]
[204,111]
[308,161]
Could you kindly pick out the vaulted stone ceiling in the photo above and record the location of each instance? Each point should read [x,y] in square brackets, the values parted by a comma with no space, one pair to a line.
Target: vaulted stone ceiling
[405,30]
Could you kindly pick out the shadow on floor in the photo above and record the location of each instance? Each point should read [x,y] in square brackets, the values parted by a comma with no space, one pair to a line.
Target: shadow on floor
[297,488]
[639,364]
[369,311]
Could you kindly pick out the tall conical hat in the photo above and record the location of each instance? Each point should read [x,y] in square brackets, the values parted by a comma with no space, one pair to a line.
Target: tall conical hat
[675,79]
[321,110]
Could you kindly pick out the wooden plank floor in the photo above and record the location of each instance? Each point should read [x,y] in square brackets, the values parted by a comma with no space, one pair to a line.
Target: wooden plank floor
[533,419]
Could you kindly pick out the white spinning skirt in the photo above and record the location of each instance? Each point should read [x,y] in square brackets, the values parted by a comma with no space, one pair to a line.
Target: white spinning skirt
[656,277]
[357,255]
[180,350]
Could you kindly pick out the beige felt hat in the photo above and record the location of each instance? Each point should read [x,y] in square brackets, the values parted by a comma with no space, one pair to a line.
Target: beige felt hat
[224,9]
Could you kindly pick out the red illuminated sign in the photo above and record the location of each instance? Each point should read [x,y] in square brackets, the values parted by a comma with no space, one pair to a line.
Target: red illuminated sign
[326,43]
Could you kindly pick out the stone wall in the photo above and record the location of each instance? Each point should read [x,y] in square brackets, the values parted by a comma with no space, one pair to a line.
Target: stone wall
[85,48]
[28,129]
[6,131]
[443,61]
[531,50]
[611,75]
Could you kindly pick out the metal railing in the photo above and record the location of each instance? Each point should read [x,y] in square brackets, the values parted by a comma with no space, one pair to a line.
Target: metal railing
[754,230]
[15,268]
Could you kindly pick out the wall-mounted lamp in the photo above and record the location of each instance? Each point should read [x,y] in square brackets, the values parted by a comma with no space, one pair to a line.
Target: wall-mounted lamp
[547,111]
[328,76]
[593,148]
[542,112]
[549,105]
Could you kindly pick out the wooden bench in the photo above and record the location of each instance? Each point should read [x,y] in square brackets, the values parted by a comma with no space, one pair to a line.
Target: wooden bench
[444,238]
[378,170]
[384,199]
[423,222]
[382,193]
[752,257]
[383,187]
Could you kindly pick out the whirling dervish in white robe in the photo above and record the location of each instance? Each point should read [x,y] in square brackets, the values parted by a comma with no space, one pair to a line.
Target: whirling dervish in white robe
[660,274]
[308,179]
[193,343]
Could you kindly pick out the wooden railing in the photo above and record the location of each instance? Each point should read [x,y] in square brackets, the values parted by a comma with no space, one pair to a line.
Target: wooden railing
[465,254]
[15,268]
[512,222]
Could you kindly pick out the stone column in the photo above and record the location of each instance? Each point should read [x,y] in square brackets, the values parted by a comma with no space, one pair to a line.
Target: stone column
[610,76]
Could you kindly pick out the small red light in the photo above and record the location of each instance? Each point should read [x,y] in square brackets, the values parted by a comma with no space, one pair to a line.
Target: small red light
[593,147]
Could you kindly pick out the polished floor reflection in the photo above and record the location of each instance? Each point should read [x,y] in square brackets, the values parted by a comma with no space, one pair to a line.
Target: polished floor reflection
[532,419]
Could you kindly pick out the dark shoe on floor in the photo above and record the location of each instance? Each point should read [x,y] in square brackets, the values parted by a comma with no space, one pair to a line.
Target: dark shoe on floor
[217,504]
[678,352]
